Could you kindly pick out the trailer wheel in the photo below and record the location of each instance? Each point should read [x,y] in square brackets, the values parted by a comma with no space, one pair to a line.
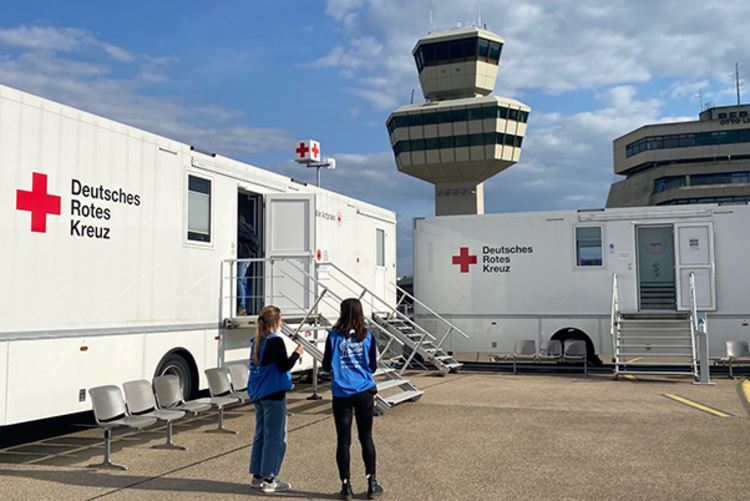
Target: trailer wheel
[175,364]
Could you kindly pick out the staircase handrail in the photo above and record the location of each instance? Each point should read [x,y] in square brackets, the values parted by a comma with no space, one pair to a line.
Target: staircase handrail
[433,312]
[614,317]
[391,310]
[693,318]
[335,296]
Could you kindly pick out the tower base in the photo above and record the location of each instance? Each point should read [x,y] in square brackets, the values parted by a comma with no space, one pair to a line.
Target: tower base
[453,199]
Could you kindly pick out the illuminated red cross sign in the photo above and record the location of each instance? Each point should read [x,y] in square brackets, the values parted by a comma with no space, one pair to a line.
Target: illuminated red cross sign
[306,152]
[38,202]
[464,259]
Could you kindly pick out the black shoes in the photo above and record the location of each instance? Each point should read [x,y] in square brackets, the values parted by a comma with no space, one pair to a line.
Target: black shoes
[373,489]
[346,490]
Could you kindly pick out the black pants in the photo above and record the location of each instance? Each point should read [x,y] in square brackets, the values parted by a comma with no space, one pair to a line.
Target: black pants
[362,407]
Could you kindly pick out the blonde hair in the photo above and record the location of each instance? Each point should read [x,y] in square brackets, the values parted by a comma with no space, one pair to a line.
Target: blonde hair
[269,316]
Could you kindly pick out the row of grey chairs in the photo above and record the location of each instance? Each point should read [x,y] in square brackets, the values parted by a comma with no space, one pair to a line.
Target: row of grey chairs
[161,400]
[572,350]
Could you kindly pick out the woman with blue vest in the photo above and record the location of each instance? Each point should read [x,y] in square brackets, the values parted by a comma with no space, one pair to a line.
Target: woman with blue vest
[351,355]
[269,381]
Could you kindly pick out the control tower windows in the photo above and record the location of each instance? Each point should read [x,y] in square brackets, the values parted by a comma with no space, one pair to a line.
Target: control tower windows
[435,143]
[456,51]
[457,115]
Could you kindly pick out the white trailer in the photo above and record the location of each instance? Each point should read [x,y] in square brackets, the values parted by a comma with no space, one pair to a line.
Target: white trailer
[549,275]
[117,248]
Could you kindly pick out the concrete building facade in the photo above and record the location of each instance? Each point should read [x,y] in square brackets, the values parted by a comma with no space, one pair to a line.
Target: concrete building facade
[703,161]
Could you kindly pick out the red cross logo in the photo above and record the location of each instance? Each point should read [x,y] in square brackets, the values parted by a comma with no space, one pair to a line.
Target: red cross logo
[38,202]
[302,150]
[464,259]
[315,150]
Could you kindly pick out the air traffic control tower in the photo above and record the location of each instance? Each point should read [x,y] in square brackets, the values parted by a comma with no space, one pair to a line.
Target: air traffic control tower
[462,135]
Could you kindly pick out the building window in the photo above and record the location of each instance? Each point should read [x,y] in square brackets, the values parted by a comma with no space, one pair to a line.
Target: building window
[456,51]
[589,246]
[380,247]
[446,142]
[669,182]
[687,140]
[199,209]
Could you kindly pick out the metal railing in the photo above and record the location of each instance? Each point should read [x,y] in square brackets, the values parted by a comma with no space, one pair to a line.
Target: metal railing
[693,319]
[613,323]
[451,327]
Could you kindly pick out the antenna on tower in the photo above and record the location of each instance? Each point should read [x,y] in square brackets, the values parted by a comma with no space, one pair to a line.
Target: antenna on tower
[700,99]
[430,17]
[737,80]
[479,14]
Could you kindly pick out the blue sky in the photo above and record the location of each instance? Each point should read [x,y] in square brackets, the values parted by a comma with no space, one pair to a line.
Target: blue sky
[248,78]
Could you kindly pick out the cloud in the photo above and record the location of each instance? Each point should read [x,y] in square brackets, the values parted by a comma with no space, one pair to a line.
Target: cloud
[65,40]
[555,47]
[89,85]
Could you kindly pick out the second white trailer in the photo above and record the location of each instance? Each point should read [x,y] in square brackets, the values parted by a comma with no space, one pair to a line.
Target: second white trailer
[549,275]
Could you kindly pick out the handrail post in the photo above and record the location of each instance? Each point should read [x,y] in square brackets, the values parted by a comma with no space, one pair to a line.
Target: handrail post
[613,327]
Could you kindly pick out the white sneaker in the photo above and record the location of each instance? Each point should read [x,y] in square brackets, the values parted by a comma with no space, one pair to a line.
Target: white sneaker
[256,482]
[275,486]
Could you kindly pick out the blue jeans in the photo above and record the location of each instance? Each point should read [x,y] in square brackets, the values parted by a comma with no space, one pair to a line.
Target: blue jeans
[243,286]
[269,444]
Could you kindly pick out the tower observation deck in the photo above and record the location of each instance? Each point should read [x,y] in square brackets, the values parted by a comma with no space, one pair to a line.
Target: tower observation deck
[462,135]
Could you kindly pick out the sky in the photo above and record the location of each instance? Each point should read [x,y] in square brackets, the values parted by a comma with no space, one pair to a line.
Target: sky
[246,79]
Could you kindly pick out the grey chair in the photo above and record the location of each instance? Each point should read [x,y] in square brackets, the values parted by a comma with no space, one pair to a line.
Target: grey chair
[169,396]
[524,349]
[239,374]
[139,398]
[221,395]
[110,412]
[737,351]
[551,349]
[574,350]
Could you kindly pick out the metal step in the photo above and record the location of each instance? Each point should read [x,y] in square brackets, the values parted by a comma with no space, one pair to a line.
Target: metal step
[403,396]
[391,383]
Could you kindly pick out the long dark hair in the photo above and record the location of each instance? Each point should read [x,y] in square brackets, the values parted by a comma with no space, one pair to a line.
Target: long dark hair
[352,319]
[268,317]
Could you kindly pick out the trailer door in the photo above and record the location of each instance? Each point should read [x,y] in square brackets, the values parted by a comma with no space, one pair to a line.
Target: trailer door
[695,254]
[290,237]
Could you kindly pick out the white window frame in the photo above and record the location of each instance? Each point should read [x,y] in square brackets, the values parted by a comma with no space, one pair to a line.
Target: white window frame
[382,244]
[211,226]
[576,266]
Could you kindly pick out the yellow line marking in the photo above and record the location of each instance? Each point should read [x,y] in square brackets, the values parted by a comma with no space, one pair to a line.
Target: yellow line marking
[634,359]
[685,401]
[631,377]
[746,390]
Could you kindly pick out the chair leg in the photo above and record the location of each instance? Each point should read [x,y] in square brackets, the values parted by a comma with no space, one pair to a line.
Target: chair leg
[731,371]
[170,444]
[221,428]
[107,463]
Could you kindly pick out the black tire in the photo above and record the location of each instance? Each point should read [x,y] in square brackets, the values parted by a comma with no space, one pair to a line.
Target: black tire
[176,365]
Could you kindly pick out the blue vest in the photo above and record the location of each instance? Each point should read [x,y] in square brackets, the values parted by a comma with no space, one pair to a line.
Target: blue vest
[266,380]
[350,364]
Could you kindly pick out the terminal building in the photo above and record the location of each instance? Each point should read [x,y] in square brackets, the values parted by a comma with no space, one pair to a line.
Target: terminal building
[462,135]
[703,161]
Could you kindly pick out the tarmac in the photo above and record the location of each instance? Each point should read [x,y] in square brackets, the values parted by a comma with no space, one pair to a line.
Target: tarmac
[488,436]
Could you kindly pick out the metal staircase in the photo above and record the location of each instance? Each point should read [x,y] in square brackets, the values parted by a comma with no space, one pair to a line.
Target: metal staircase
[419,341]
[654,342]
[392,388]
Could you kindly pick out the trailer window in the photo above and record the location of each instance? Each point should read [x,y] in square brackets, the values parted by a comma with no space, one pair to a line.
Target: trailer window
[199,209]
[589,246]
[380,251]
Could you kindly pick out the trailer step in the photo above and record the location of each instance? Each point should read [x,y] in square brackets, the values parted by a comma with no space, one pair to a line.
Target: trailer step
[413,395]
[390,383]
